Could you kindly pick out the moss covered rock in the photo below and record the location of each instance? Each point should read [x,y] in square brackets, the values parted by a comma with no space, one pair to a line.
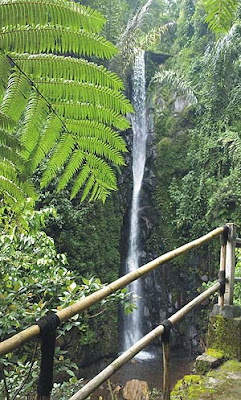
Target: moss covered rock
[221,384]
[207,361]
[224,334]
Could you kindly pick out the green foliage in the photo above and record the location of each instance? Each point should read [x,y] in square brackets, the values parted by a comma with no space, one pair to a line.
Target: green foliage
[220,14]
[55,105]
[177,82]
[35,279]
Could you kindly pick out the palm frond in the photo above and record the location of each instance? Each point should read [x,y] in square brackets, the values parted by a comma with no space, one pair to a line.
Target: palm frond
[220,14]
[176,81]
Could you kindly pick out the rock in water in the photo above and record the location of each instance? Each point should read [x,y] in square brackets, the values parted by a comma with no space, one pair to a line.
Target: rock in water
[136,390]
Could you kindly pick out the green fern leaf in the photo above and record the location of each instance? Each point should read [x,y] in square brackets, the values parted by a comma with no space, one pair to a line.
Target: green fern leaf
[58,108]
[59,157]
[59,67]
[60,12]
[47,140]
[45,39]
[80,180]
[72,167]
[77,110]
[34,120]
[55,89]
[96,130]
[16,96]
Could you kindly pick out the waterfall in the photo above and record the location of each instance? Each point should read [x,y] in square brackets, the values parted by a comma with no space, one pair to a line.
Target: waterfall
[133,322]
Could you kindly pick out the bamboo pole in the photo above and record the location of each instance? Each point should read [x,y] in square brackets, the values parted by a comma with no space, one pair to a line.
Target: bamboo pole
[166,370]
[230,265]
[33,331]
[89,388]
[222,268]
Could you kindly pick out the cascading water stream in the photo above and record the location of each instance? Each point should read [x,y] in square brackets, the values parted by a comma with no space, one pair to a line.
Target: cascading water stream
[133,322]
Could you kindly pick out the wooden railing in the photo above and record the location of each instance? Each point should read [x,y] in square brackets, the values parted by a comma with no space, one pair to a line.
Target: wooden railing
[227,264]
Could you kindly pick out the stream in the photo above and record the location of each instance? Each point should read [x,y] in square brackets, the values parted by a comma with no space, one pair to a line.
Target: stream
[150,370]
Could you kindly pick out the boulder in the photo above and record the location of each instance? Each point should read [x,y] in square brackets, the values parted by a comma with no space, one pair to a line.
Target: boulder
[136,390]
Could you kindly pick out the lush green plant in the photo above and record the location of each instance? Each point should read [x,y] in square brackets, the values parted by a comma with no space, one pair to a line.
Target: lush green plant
[55,101]
[220,14]
[35,279]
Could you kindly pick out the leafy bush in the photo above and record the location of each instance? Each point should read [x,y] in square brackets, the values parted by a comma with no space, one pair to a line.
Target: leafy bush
[34,279]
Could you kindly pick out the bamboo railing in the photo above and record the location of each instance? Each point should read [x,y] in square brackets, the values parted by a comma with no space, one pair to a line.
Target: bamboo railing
[227,262]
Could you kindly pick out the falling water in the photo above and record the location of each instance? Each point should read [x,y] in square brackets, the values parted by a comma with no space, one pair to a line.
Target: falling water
[133,322]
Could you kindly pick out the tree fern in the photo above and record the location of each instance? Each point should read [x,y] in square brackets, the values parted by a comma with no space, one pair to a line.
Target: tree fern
[56,104]
[220,14]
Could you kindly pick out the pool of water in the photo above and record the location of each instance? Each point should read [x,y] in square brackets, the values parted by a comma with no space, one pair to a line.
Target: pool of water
[149,370]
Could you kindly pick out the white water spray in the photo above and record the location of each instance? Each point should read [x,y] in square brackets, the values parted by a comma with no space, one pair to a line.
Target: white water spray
[133,322]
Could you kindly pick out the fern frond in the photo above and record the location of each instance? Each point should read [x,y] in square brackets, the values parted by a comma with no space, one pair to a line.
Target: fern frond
[47,140]
[35,117]
[96,146]
[6,123]
[60,12]
[80,180]
[96,130]
[9,140]
[60,67]
[11,188]
[220,14]
[88,187]
[102,170]
[177,81]
[72,167]
[8,170]
[84,92]
[99,173]
[16,96]
[72,110]
[10,154]
[59,157]
[4,74]
[61,108]
[47,39]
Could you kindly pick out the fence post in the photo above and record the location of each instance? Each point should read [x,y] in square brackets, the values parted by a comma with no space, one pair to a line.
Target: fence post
[230,264]
[222,265]
[166,370]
